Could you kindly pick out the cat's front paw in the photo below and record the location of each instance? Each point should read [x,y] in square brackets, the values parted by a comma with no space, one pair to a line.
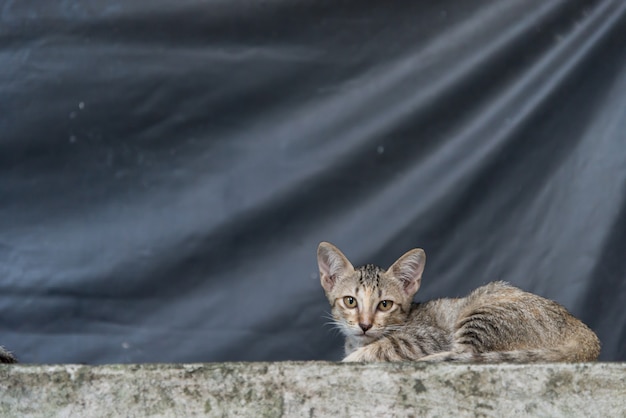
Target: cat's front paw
[358,355]
[352,358]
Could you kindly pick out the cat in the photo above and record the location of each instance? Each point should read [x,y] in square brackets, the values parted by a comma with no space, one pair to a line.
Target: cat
[6,356]
[497,322]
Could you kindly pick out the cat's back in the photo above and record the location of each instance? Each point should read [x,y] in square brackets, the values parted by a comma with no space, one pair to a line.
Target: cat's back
[446,312]
[507,302]
[502,296]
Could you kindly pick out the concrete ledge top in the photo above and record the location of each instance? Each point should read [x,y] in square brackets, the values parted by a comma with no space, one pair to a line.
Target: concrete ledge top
[311,389]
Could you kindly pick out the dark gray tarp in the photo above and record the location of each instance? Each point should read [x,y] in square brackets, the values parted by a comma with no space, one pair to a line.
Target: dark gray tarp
[167,168]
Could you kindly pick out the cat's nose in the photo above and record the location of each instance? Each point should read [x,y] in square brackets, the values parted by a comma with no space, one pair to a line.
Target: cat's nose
[365,327]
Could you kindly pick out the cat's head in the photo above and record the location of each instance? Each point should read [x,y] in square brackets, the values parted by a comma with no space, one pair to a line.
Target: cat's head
[368,301]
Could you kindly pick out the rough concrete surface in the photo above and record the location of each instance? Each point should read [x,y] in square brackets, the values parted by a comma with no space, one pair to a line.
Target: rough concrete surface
[314,389]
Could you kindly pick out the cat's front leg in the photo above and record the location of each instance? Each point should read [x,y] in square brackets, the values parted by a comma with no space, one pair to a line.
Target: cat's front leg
[360,355]
[380,350]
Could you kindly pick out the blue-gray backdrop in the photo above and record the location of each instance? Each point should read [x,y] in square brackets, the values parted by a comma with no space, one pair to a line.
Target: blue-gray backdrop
[167,168]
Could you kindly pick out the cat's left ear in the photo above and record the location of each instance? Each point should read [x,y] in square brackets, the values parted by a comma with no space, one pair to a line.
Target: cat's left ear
[332,264]
[408,269]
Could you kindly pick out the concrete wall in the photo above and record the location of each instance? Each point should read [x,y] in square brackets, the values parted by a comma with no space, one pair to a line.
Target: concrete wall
[314,389]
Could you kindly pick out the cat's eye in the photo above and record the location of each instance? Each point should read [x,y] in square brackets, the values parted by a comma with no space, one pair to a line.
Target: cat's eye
[350,302]
[385,305]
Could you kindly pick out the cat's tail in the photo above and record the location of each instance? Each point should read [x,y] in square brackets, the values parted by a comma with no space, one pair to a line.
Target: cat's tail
[6,356]
[565,353]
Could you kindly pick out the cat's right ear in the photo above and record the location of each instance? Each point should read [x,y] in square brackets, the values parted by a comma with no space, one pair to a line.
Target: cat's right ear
[332,263]
[408,269]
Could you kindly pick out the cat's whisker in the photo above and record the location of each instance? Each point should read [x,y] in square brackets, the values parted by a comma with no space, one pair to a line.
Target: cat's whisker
[332,324]
[388,331]
[336,326]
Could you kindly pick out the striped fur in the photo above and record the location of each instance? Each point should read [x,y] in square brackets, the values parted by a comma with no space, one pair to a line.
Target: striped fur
[495,323]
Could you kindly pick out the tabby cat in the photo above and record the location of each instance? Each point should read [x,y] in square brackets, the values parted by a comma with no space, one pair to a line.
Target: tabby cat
[497,322]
